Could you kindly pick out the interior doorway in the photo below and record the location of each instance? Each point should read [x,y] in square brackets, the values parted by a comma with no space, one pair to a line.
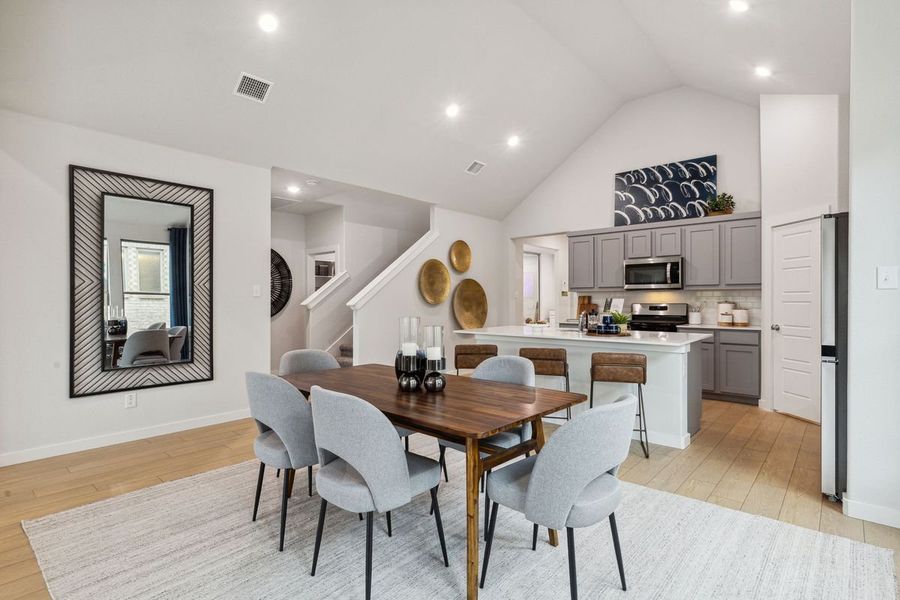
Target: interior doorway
[531,285]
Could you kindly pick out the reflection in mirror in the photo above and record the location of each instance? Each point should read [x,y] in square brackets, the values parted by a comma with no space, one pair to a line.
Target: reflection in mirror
[146,282]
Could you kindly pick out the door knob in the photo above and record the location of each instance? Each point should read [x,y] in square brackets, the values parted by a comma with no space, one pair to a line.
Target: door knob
[776,327]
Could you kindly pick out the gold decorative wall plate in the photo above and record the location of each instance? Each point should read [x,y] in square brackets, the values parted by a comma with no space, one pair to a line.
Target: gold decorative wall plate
[470,304]
[434,281]
[460,256]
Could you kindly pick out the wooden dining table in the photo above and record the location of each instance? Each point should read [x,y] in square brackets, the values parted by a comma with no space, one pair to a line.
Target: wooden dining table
[467,411]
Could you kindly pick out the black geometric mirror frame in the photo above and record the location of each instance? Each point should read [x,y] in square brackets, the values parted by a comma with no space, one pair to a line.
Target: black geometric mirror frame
[282,283]
[86,189]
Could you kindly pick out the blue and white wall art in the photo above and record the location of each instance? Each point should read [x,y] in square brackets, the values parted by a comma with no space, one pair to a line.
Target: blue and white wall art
[677,190]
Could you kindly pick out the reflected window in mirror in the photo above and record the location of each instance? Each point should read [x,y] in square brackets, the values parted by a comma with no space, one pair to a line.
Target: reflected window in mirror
[147,281]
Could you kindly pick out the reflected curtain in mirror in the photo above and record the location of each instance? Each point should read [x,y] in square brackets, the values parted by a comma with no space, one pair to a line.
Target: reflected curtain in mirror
[179,285]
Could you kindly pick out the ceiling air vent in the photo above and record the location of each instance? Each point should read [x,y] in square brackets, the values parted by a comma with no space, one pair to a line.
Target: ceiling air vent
[475,168]
[253,88]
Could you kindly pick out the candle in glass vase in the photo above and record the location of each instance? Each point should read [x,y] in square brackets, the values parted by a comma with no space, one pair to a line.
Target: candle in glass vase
[433,353]
[409,348]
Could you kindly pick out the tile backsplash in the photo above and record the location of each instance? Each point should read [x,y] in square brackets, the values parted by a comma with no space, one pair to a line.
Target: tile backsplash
[748,299]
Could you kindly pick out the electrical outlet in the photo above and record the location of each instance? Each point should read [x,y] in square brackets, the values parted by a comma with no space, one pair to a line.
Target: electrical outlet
[130,400]
[257,291]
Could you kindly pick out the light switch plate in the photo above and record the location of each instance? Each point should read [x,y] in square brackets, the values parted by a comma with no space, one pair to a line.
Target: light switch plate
[130,400]
[888,277]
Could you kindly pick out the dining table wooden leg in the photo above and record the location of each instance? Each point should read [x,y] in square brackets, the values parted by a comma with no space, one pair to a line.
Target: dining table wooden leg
[538,426]
[473,476]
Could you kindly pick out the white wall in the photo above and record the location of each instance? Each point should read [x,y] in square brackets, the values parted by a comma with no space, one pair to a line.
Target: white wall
[804,155]
[673,125]
[288,327]
[874,400]
[325,229]
[37,417]
[376,323]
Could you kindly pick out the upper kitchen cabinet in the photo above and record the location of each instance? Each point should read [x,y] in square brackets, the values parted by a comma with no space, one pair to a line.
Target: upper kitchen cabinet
[741,253]
[667,241]
[639,244]
[609,260]
[701,255]
[581,262]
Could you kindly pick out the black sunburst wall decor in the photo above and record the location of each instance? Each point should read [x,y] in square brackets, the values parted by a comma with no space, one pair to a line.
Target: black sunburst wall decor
[282,283]
[676,190]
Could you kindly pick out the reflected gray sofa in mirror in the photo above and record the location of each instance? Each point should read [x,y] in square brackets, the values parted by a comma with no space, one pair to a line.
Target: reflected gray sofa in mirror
[141,275]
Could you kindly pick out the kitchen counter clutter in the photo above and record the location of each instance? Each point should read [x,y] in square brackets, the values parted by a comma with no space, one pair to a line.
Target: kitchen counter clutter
[672,395]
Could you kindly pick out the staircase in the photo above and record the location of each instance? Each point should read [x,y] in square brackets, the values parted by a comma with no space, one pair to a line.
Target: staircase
[345,359]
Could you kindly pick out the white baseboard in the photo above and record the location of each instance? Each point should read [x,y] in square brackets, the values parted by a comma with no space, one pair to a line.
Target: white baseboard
[885,515]
[29,454]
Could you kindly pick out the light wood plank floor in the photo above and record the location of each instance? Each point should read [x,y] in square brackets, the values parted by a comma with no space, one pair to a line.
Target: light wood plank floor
[743,458]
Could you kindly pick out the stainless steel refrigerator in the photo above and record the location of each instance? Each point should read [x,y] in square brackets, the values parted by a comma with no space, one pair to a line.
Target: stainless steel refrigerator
[834,354]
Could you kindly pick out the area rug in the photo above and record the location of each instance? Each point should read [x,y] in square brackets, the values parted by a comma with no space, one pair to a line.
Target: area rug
[193,538]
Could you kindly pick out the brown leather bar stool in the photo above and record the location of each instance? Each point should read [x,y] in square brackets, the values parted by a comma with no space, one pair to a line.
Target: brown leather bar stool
[469,356]
[550,362]
[616,367]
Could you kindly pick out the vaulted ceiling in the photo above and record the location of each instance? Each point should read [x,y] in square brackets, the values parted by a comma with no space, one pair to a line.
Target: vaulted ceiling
[360,87]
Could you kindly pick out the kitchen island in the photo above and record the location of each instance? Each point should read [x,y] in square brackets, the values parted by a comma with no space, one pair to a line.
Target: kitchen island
[672,395]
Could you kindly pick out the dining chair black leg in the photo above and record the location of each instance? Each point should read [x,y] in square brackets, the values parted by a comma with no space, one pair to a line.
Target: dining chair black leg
[406,439]
[615,537]
[262,470]
[439,523]
[369,520]
[284,501]
[573,578]
[443,462]
[321,526]
[591,405]
[309,480]
[487,503]
[489,536]
[642,423]
[277,473]
[389,523]
[482,482]
[360,516]
[527,454]
[534,533]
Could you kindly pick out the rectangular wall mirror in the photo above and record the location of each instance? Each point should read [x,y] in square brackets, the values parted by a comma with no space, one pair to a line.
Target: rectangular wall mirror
[141,275]
[146,277]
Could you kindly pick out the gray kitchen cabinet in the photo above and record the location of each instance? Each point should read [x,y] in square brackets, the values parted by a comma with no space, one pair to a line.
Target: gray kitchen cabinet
[639,244]
[609,256]
[667,241]
[581,262]
[708,362]
[737,369]
[741,251]
[701,255]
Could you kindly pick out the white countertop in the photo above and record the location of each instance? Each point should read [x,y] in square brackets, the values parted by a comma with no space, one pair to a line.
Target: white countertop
[653,338]
[716,326]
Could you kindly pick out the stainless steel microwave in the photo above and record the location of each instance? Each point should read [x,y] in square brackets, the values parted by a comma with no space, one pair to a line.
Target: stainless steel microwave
[654,273]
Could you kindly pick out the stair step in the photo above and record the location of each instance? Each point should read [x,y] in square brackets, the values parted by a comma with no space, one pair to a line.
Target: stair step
[345,361]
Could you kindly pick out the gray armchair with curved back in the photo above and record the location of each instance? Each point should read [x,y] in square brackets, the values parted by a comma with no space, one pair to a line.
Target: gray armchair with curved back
[286,438]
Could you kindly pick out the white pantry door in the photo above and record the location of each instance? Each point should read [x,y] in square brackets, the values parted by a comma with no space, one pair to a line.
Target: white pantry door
[796,319]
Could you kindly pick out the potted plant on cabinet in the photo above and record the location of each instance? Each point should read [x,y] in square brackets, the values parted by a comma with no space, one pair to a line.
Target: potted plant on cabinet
[723,204]
[621,319]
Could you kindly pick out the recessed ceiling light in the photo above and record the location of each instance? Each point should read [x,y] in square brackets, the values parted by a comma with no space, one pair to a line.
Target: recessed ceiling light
[452,110]
[293,189]
[312,182]
[268,22]
[762,71]
[513,141]
[739,6]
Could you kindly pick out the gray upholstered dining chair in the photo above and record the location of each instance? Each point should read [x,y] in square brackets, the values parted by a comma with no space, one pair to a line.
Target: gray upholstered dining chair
[157,325]
[502,369]
[286,439]
[177,336]
[572,482]
[363,467]
[309,360]
[146,347]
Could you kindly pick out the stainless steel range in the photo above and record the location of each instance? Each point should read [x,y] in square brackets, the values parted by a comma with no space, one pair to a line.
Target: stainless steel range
[658,317]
